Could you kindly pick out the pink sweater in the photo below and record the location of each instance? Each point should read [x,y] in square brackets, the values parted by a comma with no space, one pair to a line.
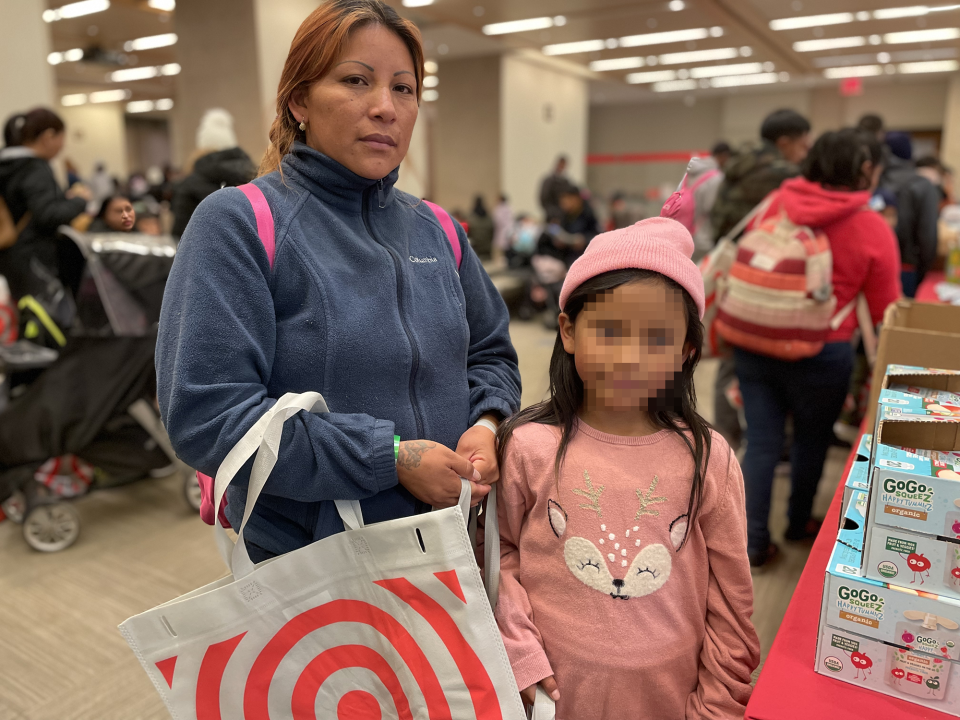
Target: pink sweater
[595,592]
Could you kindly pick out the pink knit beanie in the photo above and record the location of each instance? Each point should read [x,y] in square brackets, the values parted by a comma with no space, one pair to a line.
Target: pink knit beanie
[659,244]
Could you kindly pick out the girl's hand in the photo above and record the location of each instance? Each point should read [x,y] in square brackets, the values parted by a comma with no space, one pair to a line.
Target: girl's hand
[479,446]
[432,472]
[549,686]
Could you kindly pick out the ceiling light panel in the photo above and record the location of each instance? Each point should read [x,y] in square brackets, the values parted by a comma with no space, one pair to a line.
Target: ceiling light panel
[651,77]
[55,58]
[617,64]
[927,67]
[811,21]
[75,10]
[829,44]
[853,71]
[914,36]
[719,70]
[106,96]
[672,36]
[168,5]
[515,26]
[417,3]
[72,100]
[694,56]
[574,47]
[151,42]
[739,80]
[901,12]
[675,85]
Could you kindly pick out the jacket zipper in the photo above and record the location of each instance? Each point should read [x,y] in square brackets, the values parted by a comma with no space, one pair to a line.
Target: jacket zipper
[398,266]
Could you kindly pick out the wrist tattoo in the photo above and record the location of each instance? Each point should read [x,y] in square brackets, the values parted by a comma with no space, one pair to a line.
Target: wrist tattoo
[411,452]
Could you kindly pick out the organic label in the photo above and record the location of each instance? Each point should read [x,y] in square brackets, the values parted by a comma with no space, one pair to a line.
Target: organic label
[905,512]
[859,619]
[839,641]
[887,569]
[833,664]
[904,547]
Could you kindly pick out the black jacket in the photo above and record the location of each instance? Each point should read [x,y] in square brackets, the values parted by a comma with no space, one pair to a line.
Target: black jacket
[918,209]
[223,168]
[27,184]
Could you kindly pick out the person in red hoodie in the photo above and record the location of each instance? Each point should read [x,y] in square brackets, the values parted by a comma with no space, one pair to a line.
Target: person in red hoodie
[832,196]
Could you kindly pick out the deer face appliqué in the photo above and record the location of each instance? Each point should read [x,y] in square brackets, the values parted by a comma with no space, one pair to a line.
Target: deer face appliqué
[645,574]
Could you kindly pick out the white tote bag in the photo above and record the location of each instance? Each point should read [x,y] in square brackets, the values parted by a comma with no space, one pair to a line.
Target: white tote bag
[388,620]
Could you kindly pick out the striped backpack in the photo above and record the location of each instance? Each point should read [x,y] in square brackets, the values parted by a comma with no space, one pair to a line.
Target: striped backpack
[778,297]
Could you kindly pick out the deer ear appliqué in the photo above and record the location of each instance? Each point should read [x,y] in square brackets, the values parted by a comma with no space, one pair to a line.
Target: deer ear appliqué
[557,517]
[678,531]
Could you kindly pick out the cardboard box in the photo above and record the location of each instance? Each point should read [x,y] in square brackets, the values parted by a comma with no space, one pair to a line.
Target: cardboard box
[913,620]
[910,676]
[857,480]
[919,334]
[921,391]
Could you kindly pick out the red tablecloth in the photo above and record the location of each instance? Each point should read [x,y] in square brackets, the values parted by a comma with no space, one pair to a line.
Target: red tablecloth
[926,292]
[788,688]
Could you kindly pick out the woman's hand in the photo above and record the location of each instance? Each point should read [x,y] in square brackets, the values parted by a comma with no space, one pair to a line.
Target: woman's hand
[549,686]
[479,445]
[432,472]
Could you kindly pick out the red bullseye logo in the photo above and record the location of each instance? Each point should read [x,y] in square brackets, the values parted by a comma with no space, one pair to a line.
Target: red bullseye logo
[381,677]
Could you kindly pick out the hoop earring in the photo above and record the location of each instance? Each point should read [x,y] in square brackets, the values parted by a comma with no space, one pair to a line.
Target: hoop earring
[303,125]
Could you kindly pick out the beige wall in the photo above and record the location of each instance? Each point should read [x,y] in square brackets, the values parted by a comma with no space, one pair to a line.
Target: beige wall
[217,52]
[96,133]
[466,135]
[26,79]
[544,113]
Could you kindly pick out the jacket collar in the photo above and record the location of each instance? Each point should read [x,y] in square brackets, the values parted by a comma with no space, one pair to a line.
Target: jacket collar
[331,182]
[16,152]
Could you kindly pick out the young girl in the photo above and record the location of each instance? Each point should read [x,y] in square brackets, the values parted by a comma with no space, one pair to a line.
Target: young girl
[626,590]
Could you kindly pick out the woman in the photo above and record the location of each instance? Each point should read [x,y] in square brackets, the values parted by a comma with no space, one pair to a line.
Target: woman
[363,303]
[481,229]
[832,195]
[116,215]
[27,185]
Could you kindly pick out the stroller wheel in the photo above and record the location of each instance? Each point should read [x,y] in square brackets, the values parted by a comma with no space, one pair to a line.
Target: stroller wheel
[51,527]
[191,489]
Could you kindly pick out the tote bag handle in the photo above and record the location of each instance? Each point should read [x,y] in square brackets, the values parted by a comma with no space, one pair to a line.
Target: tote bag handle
[263,438]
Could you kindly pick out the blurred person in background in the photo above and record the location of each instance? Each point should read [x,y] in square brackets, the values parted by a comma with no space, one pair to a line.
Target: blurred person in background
[218,163]
[73,173]
[749,176]
[619,216]
[721,152]
[481,229]
[578,221]
[832,196]
[704,178]
[101,185]
[872,125]
[918,210]
[116,215]
[148,224]
[552,188]
[502,225]
[30,190]
[930,167]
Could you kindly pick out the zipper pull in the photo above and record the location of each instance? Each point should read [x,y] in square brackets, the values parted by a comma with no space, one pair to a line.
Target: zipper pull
[380,193]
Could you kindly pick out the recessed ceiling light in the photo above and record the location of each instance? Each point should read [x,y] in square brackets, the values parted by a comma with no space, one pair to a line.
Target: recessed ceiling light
[738,80]
[651,77]
[676,5]
[900,12]
[431,81]
[662,38]
[698,56]
[883,57]
[569,48]
[75,10]
[431,66]
[925,67]
[828,44]
[811,21]
[74,55]
[140,106]
[674,85]
[164,104]
[515,26]
[105,96]
[430,95]
[417,3]
[616,64]
[168,5]
[75,99]
[151,42]
[913,36]
[719,70]
[853,71]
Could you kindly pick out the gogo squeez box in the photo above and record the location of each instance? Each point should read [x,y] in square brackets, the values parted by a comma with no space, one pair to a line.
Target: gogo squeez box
[913,528]
[893,641]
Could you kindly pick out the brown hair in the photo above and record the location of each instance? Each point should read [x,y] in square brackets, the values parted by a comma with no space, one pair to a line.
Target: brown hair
[314,49]
[36,122]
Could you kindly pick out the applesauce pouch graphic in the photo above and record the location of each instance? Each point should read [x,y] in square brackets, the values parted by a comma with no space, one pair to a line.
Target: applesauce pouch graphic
[915,674]
[929,634]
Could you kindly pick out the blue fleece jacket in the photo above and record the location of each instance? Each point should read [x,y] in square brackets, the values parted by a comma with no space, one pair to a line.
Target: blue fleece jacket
[364,304]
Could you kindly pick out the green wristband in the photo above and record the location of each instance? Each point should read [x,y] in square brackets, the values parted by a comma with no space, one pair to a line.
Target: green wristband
[396,448]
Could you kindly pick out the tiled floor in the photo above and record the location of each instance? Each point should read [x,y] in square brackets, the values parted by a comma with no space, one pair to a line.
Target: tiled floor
[61,657]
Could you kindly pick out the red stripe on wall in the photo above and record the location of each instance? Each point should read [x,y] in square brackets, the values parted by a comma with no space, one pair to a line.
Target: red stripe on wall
[658,157]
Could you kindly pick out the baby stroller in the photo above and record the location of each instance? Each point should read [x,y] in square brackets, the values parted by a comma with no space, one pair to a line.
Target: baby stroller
[91,400]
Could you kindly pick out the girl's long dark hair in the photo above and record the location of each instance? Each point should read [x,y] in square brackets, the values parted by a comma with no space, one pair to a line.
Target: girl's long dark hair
[673,409]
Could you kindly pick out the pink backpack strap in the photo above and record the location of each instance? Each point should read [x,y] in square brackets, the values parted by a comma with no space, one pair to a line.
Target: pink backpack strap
[446,222]
[702,179]
[261,211]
